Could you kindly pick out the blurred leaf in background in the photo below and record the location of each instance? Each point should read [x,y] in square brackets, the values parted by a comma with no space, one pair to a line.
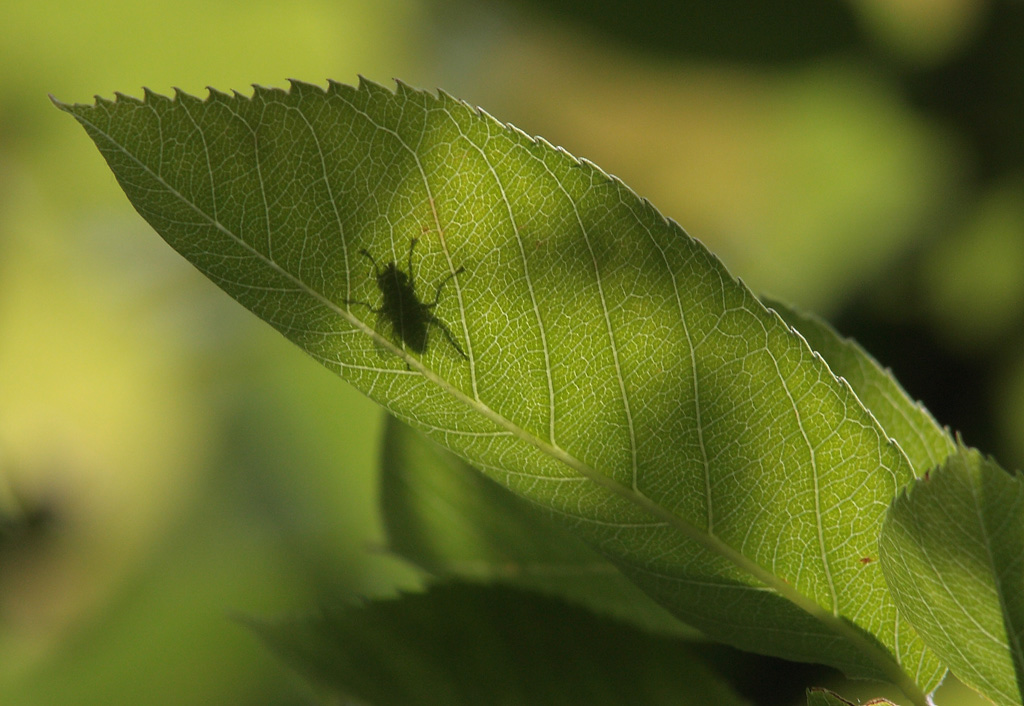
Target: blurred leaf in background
[973,279]
[191,462]
[464,644]
[859,158]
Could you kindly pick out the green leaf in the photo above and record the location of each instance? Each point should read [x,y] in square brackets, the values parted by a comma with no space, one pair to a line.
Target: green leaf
[451,520]
[816,696]
[906,421]
[614,373]
[465,644]
[952,551]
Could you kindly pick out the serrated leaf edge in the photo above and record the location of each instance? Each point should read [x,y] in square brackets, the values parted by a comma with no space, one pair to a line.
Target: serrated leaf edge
[833,622]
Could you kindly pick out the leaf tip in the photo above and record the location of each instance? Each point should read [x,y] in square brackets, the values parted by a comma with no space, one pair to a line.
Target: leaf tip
[59,105]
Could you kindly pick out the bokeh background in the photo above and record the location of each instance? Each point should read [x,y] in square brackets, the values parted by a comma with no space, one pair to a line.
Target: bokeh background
[167,461]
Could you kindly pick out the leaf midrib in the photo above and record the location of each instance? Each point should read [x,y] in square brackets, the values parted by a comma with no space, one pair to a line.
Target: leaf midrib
[709,541]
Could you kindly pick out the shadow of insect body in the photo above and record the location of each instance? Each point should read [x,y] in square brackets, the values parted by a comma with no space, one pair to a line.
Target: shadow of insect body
[409,317]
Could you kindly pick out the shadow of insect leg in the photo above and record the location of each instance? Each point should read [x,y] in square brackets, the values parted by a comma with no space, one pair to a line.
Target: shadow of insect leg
[440,286]
[376,271]
[447,334]
[350,302]
[376,268]
[412,244]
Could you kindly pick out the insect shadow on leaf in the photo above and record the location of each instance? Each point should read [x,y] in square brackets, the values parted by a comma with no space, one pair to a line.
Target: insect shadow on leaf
[401,306]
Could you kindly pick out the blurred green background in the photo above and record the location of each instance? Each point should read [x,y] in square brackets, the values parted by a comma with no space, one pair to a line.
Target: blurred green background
[166,460]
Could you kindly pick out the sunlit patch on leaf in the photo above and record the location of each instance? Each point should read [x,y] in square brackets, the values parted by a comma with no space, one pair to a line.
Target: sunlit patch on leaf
[618,376]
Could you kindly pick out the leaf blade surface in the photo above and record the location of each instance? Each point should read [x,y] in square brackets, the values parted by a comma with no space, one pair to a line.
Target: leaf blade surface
[454,522]
[953,552]
[616,373]
[925,443]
